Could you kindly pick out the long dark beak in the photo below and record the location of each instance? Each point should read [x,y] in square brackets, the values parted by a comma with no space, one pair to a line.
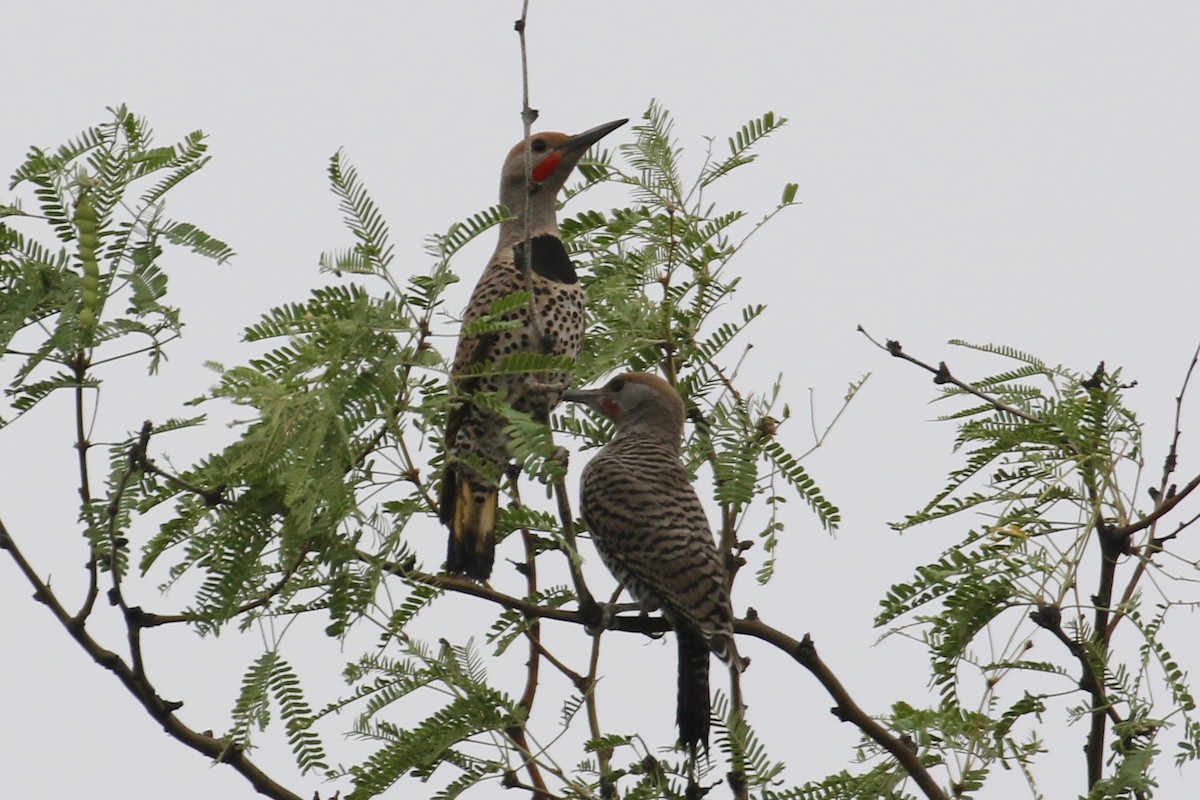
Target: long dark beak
[588,138]
[586,396]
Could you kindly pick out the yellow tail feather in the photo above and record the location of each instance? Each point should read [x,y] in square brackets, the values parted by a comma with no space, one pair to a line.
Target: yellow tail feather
[472,522]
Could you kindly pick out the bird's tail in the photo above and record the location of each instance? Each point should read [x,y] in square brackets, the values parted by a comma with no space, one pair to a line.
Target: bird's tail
[469,508]
[692,712]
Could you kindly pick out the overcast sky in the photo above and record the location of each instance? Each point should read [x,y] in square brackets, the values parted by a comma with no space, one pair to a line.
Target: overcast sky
[1017,173]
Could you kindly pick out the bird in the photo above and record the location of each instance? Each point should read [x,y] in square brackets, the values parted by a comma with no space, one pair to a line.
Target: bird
[476,448]
[650,530]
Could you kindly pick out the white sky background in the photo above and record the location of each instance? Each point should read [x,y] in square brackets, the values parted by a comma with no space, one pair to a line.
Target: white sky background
[1014,173]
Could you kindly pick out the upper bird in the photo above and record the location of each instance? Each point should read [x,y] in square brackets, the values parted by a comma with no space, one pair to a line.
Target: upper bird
[552,324]
[651,532]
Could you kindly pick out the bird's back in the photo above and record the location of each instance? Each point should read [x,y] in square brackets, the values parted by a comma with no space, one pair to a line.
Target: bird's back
[651,531]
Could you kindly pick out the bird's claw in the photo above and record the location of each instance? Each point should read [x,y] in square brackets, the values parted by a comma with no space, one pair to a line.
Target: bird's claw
[596,616]
[561,455]
[544,389]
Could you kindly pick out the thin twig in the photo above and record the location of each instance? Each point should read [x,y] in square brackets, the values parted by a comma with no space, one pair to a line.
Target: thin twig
[136,455]
[211,497]
[608,787]
[79,367]
[149,620]
[1170,462]
[528,115]
[1165,507]
[667,308]
[563,500]
[941,375]
[577,680]
[533,631]
[819,438]
[157,345]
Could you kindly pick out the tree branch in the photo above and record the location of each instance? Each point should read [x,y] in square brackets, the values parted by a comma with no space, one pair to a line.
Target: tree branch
[563,501]
[528,115]
[141,688]
[805,653]
[941,375]
[534,633]
[79,367]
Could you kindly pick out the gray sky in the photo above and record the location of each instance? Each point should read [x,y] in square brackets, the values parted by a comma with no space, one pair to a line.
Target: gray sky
[1011,172]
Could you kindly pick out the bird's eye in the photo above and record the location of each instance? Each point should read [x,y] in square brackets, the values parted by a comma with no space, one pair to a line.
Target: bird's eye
[616,385]
[538,145]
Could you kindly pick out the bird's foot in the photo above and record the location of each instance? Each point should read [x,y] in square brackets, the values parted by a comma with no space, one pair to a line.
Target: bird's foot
[545,391]
[561,455]
[596,616]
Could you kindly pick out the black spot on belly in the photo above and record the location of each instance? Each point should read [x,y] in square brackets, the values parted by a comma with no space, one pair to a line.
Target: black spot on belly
[550,259]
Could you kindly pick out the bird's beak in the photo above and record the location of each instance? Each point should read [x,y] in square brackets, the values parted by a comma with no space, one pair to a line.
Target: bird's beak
[586,396]
[588,138]
[597,400]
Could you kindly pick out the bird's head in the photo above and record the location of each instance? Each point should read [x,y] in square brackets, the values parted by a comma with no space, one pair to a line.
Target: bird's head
[552,157]
[636,401]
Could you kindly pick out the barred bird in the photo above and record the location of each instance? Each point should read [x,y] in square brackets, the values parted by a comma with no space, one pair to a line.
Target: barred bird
[651,532]
[476,447]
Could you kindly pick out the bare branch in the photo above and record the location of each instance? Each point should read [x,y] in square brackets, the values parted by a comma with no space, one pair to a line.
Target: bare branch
[805,653]
[567,519]
[534,633]
[941,375]
[1171,460]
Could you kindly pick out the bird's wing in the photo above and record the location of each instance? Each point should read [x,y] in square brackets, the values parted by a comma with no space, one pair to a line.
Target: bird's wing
[497,281]
[650,527]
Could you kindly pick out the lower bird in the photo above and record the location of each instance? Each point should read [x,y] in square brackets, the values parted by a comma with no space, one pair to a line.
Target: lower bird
[651,532]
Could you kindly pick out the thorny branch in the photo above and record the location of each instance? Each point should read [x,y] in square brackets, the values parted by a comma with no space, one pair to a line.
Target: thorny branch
[805,653]
[533,631]
[79,367]
[563,501]
[608,789]
[528,115]
[941,375]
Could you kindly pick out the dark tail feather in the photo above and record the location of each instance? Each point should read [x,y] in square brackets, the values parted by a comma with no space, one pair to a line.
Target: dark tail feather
[469,510]
[693,709]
